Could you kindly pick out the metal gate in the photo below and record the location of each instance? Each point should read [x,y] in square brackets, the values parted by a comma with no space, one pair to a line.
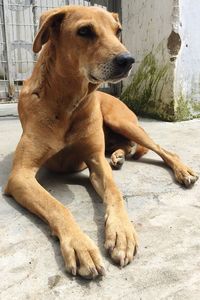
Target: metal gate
[18,26]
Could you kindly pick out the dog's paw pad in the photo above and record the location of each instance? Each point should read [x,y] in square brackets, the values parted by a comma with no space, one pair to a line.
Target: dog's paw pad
[117,160]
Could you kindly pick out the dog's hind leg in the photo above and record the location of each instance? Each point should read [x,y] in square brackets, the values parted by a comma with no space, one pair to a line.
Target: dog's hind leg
[183,173]
[122,121]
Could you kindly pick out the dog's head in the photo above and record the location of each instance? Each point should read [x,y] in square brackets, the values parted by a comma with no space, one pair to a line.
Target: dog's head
[87,40]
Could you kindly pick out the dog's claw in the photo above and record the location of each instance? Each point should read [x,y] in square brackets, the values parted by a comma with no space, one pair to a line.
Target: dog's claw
[135,250]
[122,262]
[126,261]
[94,272]
[74,271]
[101,271]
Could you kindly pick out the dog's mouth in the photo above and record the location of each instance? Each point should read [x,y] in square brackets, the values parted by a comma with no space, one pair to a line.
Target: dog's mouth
[119,77]
[114,78]
[93,79]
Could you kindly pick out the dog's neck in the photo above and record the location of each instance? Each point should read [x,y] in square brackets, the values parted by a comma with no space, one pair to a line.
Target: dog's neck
[62,91]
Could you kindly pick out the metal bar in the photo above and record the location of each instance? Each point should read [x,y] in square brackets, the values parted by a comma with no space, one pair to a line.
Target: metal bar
[11,86]
[115,6]
[34,11]
[100,2]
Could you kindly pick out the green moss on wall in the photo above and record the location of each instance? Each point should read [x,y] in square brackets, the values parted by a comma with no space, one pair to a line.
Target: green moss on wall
[183,109]
[196,107]
[144,94]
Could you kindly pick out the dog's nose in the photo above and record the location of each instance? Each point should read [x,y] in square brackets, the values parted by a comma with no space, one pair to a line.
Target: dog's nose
[124,60]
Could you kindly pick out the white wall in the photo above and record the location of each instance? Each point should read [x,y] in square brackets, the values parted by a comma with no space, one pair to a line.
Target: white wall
[187,79]
[168,30]
[146,23]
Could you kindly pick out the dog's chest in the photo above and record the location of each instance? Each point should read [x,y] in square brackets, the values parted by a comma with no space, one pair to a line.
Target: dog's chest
[78,133]
[79,128]
[82,131]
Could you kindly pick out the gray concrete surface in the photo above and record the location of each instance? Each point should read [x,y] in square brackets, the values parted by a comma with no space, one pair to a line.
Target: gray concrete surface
[166,216]
[8,110]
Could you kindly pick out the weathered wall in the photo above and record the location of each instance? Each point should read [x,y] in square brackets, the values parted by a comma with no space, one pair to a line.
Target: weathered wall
[157,34]
[187,77]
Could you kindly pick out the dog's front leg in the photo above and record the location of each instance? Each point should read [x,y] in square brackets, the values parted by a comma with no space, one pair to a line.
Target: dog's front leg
[80,254]
[120,236]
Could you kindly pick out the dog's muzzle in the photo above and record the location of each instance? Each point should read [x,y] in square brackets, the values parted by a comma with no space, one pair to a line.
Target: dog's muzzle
[114,70]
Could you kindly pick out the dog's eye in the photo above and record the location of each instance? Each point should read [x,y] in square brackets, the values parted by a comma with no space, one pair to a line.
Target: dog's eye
[118,33]
[86,31]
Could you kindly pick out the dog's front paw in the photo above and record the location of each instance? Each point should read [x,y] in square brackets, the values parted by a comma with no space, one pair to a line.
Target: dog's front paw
[185,175]
[120,237]
[82,256]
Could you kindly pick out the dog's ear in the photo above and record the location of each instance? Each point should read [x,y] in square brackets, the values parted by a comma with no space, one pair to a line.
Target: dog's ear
[49,20]
[116,17]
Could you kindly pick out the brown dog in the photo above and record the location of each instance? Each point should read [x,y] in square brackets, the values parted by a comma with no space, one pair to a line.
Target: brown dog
[61,112]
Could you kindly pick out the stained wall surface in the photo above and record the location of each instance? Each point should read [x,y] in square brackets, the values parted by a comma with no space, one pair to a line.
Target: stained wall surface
[163,38]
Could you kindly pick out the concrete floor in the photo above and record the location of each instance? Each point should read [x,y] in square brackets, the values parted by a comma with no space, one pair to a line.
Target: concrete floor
[165,214]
